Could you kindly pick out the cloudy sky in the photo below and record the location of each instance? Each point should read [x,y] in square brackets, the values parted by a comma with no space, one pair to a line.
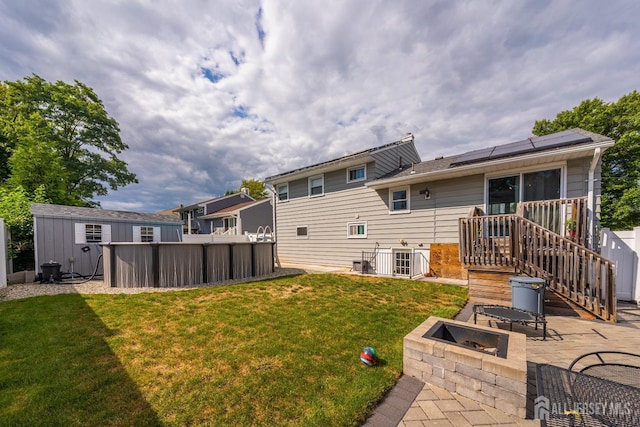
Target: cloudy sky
[209,92]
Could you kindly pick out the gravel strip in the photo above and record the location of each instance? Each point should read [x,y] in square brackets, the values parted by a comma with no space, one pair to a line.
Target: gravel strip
[99,287]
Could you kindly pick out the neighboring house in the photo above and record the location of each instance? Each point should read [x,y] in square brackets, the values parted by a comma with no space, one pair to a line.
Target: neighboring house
[193,215]
[71,235]
[386,211]
[243,218]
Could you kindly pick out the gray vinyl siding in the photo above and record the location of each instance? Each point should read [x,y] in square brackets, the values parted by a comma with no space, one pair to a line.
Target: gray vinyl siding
[333,182]
[433,220]
[55,241]
[255,216]
[391,158]
[225,202]
[578,176]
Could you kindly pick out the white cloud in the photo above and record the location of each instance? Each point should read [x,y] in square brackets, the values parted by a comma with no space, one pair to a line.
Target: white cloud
[328,78]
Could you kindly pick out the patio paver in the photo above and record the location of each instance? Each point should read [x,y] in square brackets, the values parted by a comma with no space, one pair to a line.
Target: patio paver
[567,338]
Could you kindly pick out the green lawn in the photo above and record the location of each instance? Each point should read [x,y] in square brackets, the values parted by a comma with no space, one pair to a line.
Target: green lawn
[277,352]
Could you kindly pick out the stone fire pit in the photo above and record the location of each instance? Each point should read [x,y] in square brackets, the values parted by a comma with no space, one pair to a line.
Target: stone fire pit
[483,364]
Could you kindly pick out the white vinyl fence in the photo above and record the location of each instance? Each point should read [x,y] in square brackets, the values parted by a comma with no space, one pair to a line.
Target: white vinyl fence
[623,248]
[4,258]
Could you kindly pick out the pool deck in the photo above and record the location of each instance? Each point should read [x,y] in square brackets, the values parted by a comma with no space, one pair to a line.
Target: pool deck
[411,403]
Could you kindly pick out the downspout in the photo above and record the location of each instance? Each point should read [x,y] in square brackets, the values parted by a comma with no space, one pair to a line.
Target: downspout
[591,202]
[35,247]
[274,198]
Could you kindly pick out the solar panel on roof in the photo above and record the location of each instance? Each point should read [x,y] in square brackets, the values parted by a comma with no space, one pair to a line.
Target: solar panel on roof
[569,138]
[512,149]
[536,143]
[553,135]
[474,156]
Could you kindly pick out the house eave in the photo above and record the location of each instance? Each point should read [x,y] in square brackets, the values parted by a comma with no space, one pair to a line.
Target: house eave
[319,169]
[353,159]
[525,160]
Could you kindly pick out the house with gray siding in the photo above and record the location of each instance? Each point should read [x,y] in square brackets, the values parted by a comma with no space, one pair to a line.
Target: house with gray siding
[242,218]
[71,235]
[386,210]
[198,217]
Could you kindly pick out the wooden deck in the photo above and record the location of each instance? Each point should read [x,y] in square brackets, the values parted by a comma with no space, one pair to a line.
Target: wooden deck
[500,242]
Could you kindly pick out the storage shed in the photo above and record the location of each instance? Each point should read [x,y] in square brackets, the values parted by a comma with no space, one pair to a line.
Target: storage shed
[71,236]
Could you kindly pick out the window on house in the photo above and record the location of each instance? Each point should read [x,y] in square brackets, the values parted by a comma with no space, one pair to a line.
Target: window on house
[316,186]
[283,192]
[302,232]
[358,173]
[402,263]
[504,193]
[92,233]
[146,234]
[357,230]
[399,199]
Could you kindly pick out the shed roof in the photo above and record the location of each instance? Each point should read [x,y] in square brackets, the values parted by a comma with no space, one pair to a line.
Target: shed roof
[76,212]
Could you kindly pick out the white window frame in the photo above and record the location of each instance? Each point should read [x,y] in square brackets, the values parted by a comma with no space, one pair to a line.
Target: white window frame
[363,167]
[406,188]
[356,225]
[80,229]
[284,184]
[137,234]
[311,178]
[305,236]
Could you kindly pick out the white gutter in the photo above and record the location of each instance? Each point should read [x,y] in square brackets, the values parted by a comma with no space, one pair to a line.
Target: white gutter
[591,206]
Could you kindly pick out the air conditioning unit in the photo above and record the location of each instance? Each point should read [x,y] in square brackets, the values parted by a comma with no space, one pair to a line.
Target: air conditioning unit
[361,266]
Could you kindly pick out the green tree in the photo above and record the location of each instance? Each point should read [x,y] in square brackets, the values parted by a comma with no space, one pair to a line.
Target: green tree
[255,188]
[619,121]
[63,131]
[15,209]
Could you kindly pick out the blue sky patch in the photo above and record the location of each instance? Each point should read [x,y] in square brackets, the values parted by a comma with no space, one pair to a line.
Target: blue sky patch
[236,60]
[260,28]
[213,76]
[240,111]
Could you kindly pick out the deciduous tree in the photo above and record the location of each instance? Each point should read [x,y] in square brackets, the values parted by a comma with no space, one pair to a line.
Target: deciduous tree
[255,188]
[621,163]
[64,132]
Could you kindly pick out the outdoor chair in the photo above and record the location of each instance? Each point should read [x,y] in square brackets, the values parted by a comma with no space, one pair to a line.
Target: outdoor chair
[618,366]
[599,388]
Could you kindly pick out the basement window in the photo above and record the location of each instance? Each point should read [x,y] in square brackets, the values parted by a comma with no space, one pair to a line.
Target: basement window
[302,232]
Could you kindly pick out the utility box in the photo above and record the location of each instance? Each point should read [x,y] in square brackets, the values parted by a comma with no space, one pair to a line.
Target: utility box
[360,265]
[527,293]
[51,272]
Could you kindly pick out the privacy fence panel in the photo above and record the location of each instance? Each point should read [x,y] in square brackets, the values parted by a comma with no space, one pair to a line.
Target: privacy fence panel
[137,265]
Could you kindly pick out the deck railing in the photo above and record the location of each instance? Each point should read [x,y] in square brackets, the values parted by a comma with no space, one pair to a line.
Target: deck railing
[577,273]
[572,270]
[566,217]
